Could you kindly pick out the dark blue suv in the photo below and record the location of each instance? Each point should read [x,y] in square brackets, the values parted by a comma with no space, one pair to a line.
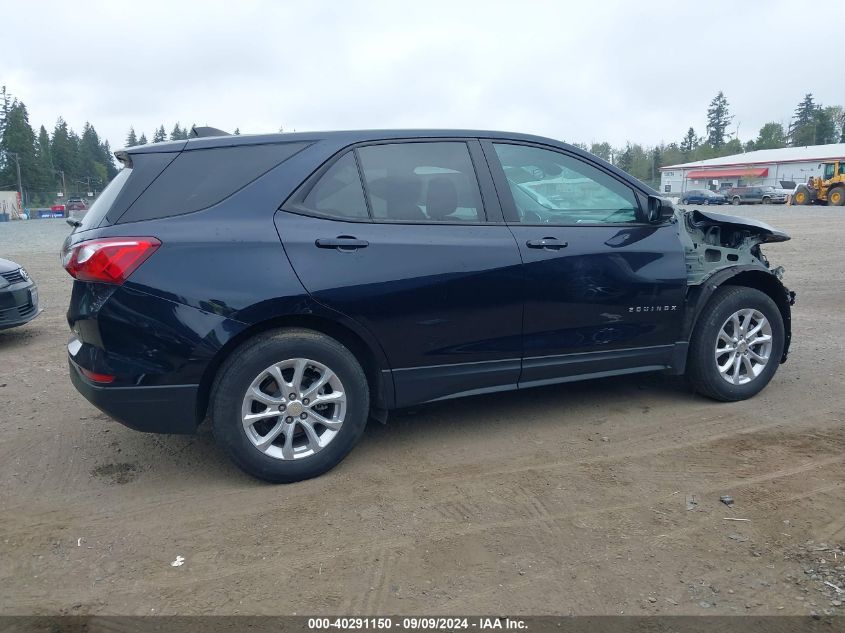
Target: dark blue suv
[292,286]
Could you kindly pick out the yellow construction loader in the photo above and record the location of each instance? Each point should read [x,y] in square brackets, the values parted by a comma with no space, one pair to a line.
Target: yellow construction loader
[829,188]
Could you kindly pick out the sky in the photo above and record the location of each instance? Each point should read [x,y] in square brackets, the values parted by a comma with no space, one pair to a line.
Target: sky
[640,71]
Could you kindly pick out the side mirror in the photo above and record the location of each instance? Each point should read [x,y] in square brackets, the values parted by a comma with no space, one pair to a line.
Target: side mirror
[659,210]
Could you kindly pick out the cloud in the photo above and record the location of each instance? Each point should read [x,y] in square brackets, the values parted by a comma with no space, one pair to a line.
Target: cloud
[616,71]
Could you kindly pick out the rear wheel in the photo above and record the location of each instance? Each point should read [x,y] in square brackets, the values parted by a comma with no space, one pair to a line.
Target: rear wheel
[289,405]
[836,196]
[737,344]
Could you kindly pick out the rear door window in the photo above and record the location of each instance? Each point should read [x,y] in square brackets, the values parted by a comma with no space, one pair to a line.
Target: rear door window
[421,182]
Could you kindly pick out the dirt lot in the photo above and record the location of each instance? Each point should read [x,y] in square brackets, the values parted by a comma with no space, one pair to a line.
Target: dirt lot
[566,499]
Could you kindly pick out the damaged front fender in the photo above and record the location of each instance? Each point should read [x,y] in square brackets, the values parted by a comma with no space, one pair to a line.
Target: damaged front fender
[713,241]
[723,249]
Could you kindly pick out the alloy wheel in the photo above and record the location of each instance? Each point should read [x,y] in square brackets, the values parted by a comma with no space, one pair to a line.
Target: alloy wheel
[743,346]
[293,409]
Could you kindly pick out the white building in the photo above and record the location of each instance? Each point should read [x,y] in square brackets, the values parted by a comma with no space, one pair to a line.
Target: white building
[783,167]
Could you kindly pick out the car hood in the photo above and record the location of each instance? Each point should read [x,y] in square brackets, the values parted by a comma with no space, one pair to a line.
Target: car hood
[7,266]
[765,232]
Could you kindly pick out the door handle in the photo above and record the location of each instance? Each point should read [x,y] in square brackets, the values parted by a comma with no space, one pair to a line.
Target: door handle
[550,243]
[342,243]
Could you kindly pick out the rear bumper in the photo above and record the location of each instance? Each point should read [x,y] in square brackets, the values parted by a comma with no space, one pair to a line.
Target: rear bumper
[153,409]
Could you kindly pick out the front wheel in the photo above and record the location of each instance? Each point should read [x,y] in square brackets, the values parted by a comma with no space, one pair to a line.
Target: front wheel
[836,197]
[766,201]
[289,405]
[735,202]
[736,345]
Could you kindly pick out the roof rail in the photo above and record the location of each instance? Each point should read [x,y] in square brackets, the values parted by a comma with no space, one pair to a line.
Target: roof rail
[201,132]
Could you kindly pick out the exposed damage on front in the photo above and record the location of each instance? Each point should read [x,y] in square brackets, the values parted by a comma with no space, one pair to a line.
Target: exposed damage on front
[721,249]
[713,241]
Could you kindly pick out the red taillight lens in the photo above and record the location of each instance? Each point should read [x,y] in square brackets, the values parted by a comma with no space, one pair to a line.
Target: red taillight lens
[95,377]
[109,260]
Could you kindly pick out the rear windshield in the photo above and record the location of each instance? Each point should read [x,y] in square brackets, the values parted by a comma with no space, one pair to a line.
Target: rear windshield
[105,200]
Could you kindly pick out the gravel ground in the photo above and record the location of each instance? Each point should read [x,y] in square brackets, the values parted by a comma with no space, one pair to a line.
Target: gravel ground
[591,498]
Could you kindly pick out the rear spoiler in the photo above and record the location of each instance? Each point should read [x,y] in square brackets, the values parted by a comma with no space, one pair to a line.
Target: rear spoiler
[202,132]
[125,155]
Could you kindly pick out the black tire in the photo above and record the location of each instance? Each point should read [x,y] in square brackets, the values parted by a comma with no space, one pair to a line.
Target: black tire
[736,201]
[802,196]
[836,196]
[702,371]
[249,361]
[766,200]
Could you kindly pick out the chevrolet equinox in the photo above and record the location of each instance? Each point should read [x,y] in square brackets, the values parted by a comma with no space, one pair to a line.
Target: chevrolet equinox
[290,287]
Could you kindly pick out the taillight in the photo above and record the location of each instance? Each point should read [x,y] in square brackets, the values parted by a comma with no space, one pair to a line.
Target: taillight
[109,260]
[95,377]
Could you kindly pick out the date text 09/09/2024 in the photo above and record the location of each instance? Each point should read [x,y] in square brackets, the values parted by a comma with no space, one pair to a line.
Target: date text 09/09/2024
[416,623]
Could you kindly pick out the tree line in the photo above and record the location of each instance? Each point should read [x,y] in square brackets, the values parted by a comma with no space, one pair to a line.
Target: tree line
[811,124]
[178,133]
[61,160]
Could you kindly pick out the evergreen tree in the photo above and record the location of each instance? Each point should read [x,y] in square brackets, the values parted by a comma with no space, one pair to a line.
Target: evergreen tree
[64,146]
[143,139]
[237,131]
[111,168]
[625,158]
[656,161]
[177,133]
[44,159]
[718,119]
[824,126]
[602,150]
[689,143]
[771,136]
[160,135]
[131,139]
[5,104]
[802,129]
[19,139]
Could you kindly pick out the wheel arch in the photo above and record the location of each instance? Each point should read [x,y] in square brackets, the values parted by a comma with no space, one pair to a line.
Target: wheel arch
[748,276]
[372,361]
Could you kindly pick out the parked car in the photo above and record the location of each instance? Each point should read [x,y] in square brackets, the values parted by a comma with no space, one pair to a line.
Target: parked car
[755,195]
[75,204]
[703,196]
[18,295]
[290,287]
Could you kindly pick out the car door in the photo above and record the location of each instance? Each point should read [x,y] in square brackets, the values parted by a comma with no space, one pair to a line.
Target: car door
[399,237]
[604,290]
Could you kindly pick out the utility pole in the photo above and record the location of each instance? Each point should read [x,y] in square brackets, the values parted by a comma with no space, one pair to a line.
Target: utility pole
[59,171]
[20,186]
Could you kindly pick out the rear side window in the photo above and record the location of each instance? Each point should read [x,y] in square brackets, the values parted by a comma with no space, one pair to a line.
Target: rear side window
[339,193]
[105,200]
[198,179]
[421,182]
